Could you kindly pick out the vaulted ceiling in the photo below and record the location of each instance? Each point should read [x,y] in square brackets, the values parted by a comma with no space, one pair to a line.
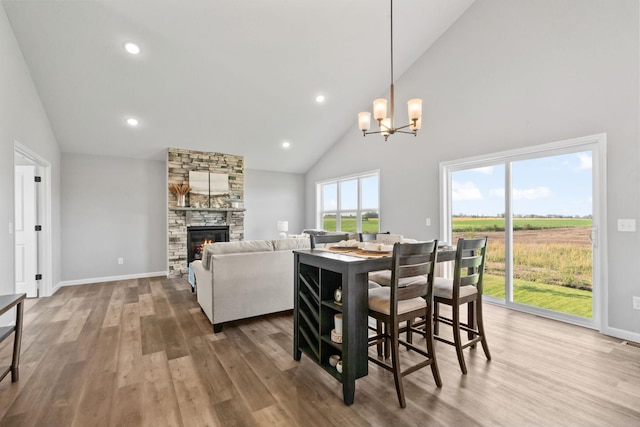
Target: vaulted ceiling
[231,76]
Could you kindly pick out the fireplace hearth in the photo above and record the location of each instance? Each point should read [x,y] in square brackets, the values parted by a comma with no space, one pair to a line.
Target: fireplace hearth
[199,236]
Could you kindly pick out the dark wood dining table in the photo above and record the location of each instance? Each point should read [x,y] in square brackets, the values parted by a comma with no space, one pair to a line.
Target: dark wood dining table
[317,274]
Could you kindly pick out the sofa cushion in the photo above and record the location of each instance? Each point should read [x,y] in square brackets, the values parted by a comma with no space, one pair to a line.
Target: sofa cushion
[291,244]
[221,248]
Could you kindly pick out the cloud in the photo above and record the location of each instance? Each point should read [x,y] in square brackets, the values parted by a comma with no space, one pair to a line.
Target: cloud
[497,192]
[531,193]
[465,191]
[487,170]
[586,161]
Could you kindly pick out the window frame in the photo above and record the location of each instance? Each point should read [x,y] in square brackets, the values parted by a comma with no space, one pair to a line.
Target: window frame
[359,211]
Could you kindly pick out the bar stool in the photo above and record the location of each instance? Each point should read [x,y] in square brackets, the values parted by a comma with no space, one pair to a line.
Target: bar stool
[409,296]
[464,288]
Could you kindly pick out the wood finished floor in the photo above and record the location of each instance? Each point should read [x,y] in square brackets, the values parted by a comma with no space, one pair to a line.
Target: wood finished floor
[140,352]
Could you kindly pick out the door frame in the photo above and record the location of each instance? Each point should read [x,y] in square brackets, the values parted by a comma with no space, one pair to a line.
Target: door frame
[43,201]
[595,143]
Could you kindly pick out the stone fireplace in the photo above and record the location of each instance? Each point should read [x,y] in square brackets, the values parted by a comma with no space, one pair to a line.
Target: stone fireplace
[227,214]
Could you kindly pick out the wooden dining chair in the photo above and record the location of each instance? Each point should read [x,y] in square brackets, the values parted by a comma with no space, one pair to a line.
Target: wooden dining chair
[327,238]
[464,288]
[409,296]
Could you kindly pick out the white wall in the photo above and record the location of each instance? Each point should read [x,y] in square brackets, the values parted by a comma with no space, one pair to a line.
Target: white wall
[271,197]
[512,74]
[22,119]
[113,208]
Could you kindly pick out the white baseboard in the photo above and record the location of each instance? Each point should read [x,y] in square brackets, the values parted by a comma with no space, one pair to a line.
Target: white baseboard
[621,333]
[108,279]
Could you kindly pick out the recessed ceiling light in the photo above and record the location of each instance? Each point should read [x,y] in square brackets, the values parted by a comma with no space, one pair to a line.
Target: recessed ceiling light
[132,122]
[320,99]
[132,48]
[286,144]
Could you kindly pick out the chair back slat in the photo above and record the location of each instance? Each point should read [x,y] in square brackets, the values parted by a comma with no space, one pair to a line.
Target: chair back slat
[470,280]
[410,292]
[471,261]
[414,269]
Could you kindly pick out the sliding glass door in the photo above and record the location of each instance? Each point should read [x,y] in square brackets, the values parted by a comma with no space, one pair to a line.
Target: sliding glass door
[540,209]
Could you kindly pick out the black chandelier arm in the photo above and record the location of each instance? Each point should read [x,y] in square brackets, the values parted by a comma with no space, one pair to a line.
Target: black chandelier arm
[391,131]
[405,126]
[365,132]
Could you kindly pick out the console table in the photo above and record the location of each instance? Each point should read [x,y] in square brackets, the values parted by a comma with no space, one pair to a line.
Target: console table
[317,274]
[6,303]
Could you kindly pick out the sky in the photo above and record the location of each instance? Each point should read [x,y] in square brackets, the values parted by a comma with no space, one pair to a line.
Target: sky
[349,194]
[556,185]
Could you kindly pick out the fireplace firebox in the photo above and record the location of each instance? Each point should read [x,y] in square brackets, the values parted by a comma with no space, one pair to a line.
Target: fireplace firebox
[199,236]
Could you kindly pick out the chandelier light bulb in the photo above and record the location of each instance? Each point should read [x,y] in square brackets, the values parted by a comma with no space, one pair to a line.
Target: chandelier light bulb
[380,109]
[364,120]
[414,107]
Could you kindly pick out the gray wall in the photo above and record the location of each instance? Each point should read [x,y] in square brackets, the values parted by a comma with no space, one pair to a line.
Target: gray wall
[270,197]
[113,208]
[116,207]
[22,119]
[512,74]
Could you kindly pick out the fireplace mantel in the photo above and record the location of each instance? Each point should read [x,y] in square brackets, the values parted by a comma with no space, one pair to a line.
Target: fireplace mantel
[175,208]
[190,209]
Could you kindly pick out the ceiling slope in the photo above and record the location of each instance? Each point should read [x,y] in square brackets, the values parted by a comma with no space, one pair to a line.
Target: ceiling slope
[230,76]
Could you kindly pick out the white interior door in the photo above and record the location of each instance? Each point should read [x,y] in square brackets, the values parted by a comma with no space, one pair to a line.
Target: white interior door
[26,251]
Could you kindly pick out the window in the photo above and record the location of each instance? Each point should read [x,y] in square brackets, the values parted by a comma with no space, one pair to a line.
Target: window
[349,204]
[541,208]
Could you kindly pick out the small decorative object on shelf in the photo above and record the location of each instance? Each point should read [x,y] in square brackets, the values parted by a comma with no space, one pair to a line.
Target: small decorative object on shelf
[337,319]
[180,190]
[336,337]
[333,360]
[337,296]
[339,366]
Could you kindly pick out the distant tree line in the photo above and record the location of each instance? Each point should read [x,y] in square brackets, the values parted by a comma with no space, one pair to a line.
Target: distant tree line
[501,215]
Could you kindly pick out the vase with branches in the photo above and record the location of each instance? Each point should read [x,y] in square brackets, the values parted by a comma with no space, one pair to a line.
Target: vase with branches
[180,190]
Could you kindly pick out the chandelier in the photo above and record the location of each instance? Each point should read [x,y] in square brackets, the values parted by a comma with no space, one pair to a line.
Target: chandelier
[386,123]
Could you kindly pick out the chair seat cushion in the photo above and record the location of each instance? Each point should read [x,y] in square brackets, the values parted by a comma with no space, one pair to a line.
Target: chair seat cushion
[383,278]
[443,288]
[380,298]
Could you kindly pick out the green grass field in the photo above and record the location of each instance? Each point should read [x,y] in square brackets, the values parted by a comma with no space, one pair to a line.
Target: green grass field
[552,297]
[348,224]
[464,224]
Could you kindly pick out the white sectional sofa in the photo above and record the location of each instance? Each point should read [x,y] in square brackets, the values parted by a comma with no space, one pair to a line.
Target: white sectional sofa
[236,280]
